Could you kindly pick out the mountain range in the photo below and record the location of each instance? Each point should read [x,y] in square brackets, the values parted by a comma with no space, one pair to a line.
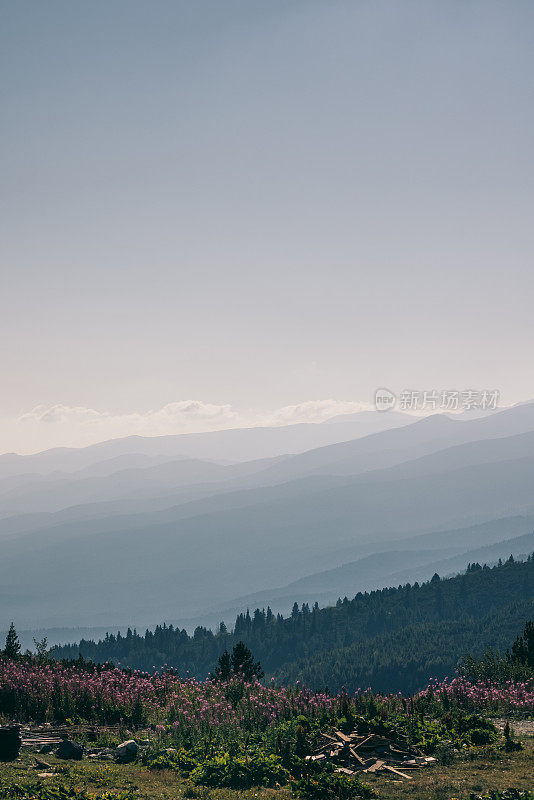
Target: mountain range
[194,528]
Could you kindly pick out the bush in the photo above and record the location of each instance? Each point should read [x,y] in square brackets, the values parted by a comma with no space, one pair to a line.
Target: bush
[240,772]
[480,736]
[472,729]
[444,753]
[181,761]
[330,786]
[513,745]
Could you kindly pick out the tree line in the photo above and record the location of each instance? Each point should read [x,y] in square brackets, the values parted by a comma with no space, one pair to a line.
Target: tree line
[391,639]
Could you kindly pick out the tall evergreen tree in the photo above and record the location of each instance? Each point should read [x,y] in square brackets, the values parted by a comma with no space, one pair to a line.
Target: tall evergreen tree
[12,648]
[243,663]
[224,666]
[523,647]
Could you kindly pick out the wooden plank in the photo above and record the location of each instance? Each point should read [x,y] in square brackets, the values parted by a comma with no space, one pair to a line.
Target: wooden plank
[364,741]
[378,765]
[342,736]
[396,771]
[358,758]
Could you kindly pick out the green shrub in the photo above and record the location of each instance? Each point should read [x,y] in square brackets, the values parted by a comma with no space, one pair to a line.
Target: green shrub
[330,786]
[182,760]
[513,745]
[240,772]
[481,736]
[444,753]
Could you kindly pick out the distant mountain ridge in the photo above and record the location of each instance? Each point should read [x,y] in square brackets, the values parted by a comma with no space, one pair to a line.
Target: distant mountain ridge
[232,444]
[387,568]
[182,539]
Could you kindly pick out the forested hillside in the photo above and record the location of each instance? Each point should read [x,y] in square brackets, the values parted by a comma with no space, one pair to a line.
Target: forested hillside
[394,638]
[405,659]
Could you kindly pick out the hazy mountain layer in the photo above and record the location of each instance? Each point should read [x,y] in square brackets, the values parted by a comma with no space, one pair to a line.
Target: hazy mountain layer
[196,535]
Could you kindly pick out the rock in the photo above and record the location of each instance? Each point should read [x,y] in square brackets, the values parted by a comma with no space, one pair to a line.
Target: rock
[10,742]
[70,749]
[46,748]
[127,751]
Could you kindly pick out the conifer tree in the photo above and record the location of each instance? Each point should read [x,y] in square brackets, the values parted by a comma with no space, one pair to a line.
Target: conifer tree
[523,647]
[224,666]
[243,663]
[12,648]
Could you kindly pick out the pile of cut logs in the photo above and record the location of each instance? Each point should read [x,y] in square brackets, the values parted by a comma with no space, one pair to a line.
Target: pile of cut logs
[38,736]
[369,753]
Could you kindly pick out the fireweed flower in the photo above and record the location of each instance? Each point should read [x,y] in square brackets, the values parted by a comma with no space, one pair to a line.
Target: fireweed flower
[29,690]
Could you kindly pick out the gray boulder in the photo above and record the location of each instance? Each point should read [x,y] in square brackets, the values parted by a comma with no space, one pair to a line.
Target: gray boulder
[10,742]
[70,749]
[127,751]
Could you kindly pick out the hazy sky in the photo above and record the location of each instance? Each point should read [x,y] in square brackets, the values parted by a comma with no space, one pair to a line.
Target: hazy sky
[258,204]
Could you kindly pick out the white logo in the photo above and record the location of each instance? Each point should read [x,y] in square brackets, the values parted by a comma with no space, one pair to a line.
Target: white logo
[384,400]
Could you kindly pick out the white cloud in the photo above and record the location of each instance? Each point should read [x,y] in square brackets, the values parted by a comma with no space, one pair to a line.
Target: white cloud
[60,414]
[316,411]
[179,417]
[76,426]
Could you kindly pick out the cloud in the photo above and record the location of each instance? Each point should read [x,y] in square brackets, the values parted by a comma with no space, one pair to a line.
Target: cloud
[60,414]
[316,411]
[76,426]
[178,417]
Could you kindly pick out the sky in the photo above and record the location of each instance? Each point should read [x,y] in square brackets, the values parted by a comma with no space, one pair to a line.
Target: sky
[222,212]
